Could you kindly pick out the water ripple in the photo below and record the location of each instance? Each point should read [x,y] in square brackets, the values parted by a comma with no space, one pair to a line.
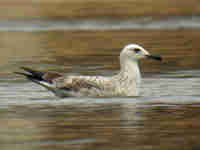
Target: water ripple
[101,24]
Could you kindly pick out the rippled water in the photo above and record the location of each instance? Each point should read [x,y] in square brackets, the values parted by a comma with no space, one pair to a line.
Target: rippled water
[165,116]
[177,22]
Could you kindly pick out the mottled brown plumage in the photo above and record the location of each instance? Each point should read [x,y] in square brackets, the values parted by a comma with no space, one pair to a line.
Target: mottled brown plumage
[125,83]
[50,76]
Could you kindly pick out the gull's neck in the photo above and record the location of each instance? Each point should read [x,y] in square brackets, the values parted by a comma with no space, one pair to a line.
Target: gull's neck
[129,77]
[129,69]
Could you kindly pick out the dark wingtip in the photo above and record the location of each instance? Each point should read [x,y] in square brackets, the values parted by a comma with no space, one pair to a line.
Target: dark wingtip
[31,74]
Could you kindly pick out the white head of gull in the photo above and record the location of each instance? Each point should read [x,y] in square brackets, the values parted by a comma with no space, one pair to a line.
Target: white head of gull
[129,77]
[125,83]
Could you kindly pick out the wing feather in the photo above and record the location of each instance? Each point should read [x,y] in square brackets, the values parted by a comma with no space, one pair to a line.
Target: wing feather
[76,83]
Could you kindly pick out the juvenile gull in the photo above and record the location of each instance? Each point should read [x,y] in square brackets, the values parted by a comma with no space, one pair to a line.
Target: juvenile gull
[125,83]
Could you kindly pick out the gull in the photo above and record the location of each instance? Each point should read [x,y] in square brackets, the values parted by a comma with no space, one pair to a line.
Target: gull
[125,83]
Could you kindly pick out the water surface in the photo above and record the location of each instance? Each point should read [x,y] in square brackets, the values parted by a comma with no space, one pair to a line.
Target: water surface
[103,23]
[164,116]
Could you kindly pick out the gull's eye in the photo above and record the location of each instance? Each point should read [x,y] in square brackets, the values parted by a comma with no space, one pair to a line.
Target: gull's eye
[137,50]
